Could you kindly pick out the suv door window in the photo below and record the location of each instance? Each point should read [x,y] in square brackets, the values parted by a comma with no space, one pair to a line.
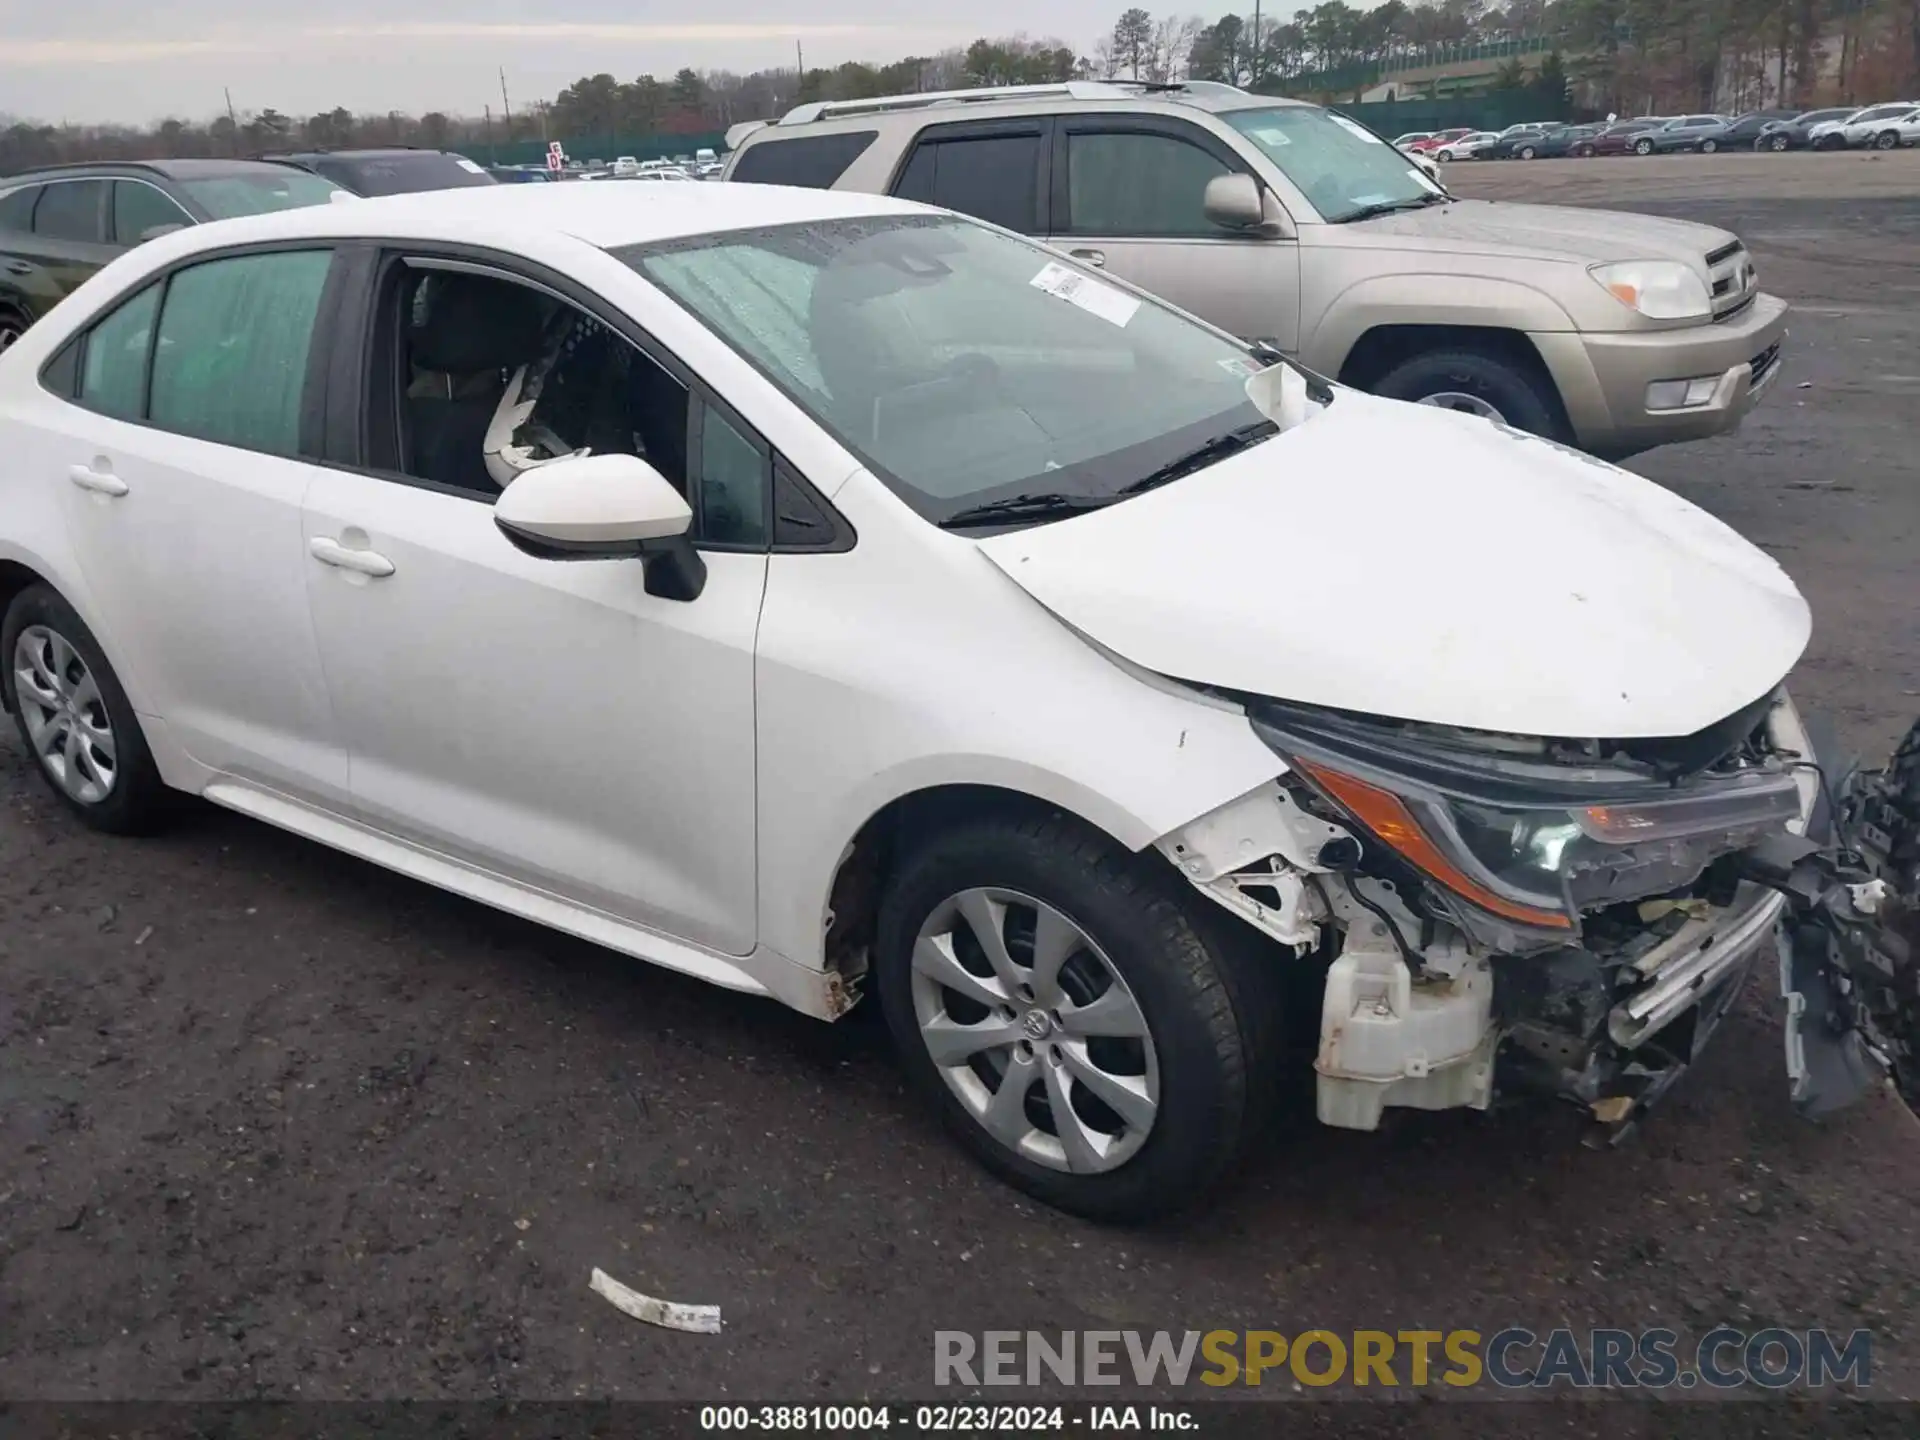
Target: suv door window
[113,375]
[139,207]
[812,162]
[1125,183]
[992,177]
[70,210]
[230,364]
[16,208]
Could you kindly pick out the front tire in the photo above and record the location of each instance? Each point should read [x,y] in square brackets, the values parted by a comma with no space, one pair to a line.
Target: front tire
[1887,140]
[1777,144]
[1078,1022]
[1527,152]
[1441,157]
[1643,147]
[74,718]
[1479,383]
[1707,147]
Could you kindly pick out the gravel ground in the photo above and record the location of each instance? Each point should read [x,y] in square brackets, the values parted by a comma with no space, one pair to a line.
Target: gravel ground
[276,1123]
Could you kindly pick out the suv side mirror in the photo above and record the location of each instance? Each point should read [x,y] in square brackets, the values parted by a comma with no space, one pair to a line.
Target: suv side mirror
[605,507]
[1238,202]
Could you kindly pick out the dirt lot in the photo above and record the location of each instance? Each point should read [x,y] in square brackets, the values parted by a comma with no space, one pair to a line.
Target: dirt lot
[273,1122]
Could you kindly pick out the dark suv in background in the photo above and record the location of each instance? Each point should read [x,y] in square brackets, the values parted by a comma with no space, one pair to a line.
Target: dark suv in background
[397,170]
[59,225]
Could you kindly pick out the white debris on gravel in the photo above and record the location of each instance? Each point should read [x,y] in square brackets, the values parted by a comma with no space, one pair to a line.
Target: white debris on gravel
[700,1319]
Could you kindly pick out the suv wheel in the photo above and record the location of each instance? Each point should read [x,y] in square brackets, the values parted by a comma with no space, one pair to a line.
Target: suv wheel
[1707,147]
[1776,143]
[74,717]
[1527,152]
[1643,147]
[1478,384]
[1079,1026]
[1886,140]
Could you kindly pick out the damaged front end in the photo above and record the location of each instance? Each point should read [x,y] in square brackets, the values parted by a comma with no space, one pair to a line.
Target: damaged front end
[1573,918]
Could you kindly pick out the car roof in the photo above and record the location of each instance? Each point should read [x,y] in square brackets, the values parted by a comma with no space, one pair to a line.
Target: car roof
[171,169]
[606,216]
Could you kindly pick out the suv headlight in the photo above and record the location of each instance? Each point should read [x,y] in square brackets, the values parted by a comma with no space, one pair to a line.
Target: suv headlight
[1658,289]
[1531,840]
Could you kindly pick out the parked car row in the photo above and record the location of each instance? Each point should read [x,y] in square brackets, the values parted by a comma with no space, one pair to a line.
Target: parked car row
[1883,127]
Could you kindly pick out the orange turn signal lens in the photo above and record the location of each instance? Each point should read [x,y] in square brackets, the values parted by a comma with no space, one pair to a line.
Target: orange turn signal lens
[1626,294]
[1387,816]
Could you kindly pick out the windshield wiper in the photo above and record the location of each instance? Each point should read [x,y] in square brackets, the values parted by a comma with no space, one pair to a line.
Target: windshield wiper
[1201,456]
[1388,207]
[1050,505]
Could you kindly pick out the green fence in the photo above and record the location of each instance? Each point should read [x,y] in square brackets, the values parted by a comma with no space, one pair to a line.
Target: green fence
[1482,112]
[598,147]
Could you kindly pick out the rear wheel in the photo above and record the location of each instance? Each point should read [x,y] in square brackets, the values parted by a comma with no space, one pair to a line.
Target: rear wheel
[1527,152]
[1078,1022]
[1477,383]
[1583,151]
[75,719]
[1886,140]
[1707,147]
[1777,143]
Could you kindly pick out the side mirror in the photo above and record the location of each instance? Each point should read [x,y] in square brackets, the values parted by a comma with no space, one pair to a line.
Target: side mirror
[1238,202]
[605,507]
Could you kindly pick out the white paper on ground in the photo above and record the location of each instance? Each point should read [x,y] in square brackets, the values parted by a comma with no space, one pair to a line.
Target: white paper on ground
[1116,307]
[700,1319]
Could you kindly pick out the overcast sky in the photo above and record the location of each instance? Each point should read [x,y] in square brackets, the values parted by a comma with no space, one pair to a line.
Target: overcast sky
[111,60]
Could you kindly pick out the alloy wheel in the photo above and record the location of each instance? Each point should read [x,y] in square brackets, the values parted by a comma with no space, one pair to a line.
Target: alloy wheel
[66,716]
[1466,404]
[1035,1031]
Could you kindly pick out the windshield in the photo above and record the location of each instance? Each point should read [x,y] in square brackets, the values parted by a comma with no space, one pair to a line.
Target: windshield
[1342,167]
[257,192]
[966,367]
[403,174]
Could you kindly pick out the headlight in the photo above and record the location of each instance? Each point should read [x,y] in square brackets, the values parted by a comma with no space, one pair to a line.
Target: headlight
[1533,841]
[1658,289]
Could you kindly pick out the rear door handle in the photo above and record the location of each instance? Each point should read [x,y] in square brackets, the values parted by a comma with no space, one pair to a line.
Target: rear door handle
[1095,258]
[361,562]
[100,482]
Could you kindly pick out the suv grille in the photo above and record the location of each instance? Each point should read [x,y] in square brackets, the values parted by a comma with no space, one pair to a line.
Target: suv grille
[1730,279]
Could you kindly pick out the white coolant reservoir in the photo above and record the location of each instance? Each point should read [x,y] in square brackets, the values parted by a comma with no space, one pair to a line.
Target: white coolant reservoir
[1387,1040]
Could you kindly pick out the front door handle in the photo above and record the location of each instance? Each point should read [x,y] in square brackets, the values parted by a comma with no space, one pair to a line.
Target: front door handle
[100,482]
[19,267]
[1095,258]
[361,562]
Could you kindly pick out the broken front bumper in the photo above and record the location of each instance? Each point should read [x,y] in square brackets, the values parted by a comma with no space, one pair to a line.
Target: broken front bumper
[1836,906]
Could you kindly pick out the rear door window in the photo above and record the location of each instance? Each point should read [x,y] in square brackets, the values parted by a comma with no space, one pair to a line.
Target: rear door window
[810,162]
[230,363]
[72,210]
[994,177]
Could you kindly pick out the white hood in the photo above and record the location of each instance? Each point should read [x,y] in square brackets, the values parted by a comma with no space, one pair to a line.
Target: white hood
[1417,563]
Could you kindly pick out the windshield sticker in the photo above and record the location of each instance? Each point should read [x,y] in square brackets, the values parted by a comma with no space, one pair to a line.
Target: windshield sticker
[469,165]
[1354,127]
[1241,367]
[1116,307]
[1271,137]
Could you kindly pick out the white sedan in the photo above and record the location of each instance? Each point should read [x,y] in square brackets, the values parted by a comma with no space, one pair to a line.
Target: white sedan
[816,594]
[1467,147]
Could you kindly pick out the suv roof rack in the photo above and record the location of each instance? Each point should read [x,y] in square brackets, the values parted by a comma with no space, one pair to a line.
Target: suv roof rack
[1060,90]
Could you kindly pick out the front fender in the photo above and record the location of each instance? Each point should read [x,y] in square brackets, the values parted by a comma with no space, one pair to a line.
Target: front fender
[1429,298]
